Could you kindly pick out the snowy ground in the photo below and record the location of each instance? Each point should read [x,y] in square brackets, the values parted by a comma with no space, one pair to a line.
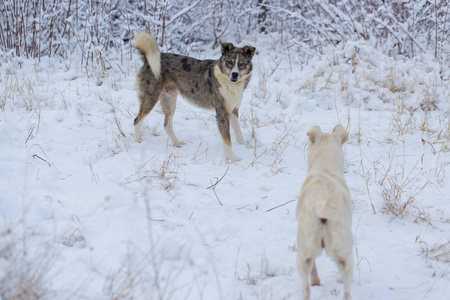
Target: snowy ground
[88,213]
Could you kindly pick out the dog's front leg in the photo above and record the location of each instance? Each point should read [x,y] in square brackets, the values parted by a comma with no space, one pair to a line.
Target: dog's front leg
[223,121]
[237,128]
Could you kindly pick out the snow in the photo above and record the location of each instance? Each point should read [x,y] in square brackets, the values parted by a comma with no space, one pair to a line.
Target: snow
[92,214]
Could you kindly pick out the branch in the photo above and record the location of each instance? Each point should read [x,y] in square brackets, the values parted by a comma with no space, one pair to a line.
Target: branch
[213,186]
[279,206]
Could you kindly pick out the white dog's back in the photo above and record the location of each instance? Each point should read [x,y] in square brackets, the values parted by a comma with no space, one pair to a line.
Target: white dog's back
[324,209]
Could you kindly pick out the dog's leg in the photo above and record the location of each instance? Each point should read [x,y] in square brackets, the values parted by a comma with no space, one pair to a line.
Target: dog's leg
[237,127]
[223,121]
[148,98]
[345,266]
[169,102]
[137,132]
[347,271]
[315,280]
[304,268]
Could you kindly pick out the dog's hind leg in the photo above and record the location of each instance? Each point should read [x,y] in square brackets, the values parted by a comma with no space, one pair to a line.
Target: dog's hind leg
[345,266]
[315,280]
[148,102]
[304,268]
[169,102]
[223,121]
[234,118]
[347,271]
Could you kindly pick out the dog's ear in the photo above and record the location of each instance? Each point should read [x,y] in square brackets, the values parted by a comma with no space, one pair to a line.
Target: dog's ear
[249,50]
[227,47]
[340,134]
[314,134]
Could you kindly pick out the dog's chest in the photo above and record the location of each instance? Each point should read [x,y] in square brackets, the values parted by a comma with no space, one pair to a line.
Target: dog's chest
[230,91]
[232,94]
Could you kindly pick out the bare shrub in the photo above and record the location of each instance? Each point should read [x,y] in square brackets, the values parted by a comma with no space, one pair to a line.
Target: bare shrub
[399,192]
[93,30]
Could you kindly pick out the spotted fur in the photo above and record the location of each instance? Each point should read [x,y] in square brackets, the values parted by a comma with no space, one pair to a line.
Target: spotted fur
[211,84]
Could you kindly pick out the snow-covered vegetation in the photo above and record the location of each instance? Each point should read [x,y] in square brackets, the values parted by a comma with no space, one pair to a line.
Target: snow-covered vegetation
[88,213]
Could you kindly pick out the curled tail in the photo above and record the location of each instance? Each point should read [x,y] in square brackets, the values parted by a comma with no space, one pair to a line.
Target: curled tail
[324,208]
[149,49]
[320,195]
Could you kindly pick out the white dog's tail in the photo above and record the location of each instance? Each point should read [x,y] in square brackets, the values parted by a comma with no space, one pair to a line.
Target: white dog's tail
[149,49]
[325,208]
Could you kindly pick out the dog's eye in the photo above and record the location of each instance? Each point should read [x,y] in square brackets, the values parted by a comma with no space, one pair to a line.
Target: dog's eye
[230,62]
[242,64]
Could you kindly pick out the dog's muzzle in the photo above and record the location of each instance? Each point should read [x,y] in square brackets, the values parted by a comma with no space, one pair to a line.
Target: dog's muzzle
[234,77]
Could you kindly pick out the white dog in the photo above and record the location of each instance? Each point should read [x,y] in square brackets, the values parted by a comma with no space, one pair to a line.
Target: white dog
[324,209]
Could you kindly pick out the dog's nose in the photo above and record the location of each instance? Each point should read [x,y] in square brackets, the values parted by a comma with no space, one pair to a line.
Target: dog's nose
[234,76]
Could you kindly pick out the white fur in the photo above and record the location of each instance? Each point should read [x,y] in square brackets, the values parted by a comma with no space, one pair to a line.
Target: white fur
[137,132]
[231,91]
[147,44]
[168,99]
[236,69]
[325,196]
[237,129]
[229,153]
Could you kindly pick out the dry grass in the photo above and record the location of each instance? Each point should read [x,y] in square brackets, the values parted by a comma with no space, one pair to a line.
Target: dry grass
[279,146]
[121,284]
[438,251]
[399,190]
[403,117]
[167,172]
[255,277]
[366,176]
[262,92]
[430,98]
[23,271]
[18,91]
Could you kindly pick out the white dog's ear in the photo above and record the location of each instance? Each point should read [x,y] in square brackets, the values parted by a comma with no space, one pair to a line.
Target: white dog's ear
[314,134]
[340,134]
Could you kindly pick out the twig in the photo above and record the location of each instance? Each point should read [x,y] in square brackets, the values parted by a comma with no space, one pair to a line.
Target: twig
[217,197]
[30,133]
[217,181]
[243,206]
[213,185]
[279,205]
[424,141]
[276,65]
[48,161]
[366,180]
[437,277]
[35,155]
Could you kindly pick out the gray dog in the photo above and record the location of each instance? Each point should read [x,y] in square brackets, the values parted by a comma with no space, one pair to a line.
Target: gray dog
[211,84]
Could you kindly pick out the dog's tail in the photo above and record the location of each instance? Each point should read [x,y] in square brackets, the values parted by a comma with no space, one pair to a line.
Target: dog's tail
[324,208]
[324,211]
[149,50]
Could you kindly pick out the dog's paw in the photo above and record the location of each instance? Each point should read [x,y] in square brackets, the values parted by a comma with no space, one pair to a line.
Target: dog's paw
[179,144]
[231,158]
[138,139]
[248,146]
[242,142]
[315,281]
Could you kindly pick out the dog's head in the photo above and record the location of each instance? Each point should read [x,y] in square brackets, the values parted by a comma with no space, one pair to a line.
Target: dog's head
[236,63]
[325,152]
